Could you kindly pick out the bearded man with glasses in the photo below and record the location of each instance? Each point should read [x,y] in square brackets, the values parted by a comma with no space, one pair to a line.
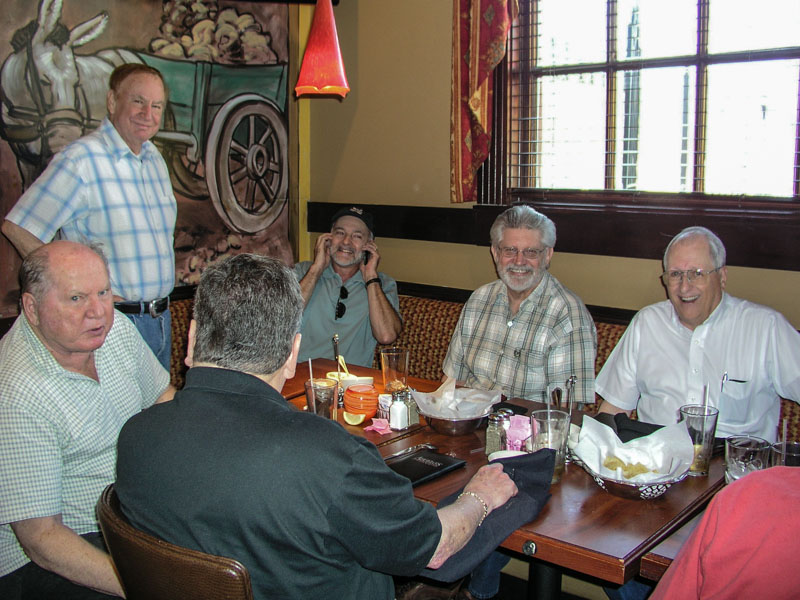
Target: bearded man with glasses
[746,354]
[345,294]
[525,331]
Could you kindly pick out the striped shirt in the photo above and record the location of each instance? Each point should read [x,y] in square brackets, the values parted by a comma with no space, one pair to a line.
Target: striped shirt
[551,337]
[58,429]
[97,189]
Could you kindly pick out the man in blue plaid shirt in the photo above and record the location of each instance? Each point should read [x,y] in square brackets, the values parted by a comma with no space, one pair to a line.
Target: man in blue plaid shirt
[112,187]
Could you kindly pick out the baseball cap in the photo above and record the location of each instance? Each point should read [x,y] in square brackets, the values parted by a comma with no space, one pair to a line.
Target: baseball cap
[354,211]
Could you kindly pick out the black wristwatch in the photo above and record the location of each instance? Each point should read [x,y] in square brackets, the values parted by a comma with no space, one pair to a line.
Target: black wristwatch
[375,280]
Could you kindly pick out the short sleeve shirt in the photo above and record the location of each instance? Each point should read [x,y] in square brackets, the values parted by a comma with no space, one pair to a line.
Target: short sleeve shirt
[98,190]
[356,342]
[660,365]
[58,429]
[551,338]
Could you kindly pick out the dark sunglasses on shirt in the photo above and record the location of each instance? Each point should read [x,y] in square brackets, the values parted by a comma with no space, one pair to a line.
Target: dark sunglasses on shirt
[340,307]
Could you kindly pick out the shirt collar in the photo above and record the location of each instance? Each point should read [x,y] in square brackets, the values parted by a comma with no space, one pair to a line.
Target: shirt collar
[715,316]
[118,148]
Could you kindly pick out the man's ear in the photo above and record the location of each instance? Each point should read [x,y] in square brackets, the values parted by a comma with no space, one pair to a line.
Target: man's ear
[291,363]
[111,102]
[190,345]
[31,308]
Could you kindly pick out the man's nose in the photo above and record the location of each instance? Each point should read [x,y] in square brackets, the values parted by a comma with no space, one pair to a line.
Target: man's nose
[519,258]
[96,307]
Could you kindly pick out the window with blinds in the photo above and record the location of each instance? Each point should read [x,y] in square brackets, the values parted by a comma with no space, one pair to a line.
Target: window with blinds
[667,96]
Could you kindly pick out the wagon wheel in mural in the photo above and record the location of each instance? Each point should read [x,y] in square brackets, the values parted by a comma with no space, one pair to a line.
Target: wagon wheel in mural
[188,176]
[246,164]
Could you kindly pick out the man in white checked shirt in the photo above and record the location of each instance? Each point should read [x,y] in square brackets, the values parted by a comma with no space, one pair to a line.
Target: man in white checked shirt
[112,187]
[71,374]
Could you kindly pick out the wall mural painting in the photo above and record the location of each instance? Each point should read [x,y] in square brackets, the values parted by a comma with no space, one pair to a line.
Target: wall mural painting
[224,134]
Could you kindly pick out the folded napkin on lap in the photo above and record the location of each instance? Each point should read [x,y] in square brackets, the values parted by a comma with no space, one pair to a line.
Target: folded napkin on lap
[532,473]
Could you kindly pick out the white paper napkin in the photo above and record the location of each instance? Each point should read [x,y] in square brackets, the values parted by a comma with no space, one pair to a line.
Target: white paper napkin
[450,402]
[667,452]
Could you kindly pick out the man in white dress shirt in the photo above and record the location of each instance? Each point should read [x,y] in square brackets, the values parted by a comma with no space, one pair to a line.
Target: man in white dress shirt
[747,354]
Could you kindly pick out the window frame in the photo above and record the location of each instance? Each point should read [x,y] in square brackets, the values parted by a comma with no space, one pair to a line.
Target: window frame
[759,231]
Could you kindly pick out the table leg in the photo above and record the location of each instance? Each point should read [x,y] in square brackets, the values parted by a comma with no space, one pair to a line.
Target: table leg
[544,581]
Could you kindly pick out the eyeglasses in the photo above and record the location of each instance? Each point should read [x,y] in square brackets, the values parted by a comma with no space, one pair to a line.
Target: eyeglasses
[529,253]
[692,275]
[341,308]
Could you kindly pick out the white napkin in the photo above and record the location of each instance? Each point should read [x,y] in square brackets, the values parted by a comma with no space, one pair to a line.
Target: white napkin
[450,402]
[667,452]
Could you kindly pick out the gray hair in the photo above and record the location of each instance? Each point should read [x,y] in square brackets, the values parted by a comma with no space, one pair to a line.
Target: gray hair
[715,245]
[523,217]
[34,276]
[247,311]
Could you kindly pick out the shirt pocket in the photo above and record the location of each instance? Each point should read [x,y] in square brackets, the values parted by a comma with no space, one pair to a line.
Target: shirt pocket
[734,403]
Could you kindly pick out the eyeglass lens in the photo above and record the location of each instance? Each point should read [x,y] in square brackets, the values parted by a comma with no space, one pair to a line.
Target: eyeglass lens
[340,307]
[511,252]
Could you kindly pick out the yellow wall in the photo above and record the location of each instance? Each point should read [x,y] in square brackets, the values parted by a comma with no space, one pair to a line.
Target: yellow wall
[388,143]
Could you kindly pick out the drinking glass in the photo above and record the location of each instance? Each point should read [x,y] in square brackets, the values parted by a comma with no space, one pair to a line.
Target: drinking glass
[394,366]
[786,454]
[552,431]
[745,454]
[322,397]
[701,423]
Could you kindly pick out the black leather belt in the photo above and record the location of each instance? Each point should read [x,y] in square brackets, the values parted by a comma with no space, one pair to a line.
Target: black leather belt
[154,307]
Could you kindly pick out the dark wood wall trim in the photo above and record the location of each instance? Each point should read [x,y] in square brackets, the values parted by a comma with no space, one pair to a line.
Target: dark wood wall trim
[762,234]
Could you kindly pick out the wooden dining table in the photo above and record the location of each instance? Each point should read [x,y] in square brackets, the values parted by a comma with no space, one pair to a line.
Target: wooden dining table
[582,527]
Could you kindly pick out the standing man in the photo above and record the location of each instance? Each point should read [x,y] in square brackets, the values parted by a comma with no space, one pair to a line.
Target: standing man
[344,294]
[525,331]
[70,376]
[230,468]
[746,354]
[112,187]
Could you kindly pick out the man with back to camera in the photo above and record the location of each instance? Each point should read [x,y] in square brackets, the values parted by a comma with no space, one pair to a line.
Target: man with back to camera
[70,375]
[232,469]
[112,187]
[747,354]
[520,334]
[345,294]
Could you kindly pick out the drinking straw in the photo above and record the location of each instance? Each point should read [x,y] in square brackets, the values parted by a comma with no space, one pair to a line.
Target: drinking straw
[311,377]
[705,399]
[783,435]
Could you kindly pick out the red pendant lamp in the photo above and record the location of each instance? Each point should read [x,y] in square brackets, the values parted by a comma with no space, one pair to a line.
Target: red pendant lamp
[322,71]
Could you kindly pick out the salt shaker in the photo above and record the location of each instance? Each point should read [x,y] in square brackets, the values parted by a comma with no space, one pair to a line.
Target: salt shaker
[413,411]
[398,414]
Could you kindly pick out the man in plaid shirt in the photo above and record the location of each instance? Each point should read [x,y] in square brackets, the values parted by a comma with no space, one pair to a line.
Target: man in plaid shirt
[525,331]
[112,187]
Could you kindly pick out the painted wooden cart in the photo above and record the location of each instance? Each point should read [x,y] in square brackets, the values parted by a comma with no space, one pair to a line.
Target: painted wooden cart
[225,137]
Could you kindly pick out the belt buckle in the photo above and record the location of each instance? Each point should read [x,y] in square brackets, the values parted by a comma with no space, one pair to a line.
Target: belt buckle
[153,309]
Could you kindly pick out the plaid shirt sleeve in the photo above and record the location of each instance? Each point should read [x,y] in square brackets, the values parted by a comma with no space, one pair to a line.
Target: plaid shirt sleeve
[575,355]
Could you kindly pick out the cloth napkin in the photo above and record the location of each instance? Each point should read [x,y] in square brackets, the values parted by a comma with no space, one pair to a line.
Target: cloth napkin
[532,473]
[380,426]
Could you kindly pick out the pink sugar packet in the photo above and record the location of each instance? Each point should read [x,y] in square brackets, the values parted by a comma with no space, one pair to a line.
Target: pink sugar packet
[380,426]
[519,430]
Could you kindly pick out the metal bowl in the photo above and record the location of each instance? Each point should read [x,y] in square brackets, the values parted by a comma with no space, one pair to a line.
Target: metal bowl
[455,426]
[631,490]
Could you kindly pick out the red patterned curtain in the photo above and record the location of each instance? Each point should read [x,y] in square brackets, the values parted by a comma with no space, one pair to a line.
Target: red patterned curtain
[480,28]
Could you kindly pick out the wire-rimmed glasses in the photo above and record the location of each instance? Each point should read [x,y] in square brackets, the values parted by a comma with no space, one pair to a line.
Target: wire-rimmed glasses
[528,253]
[675,277]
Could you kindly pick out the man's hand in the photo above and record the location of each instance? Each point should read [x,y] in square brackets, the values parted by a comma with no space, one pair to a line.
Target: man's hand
[493,485]
[459,520]
[370,269]
[322,255]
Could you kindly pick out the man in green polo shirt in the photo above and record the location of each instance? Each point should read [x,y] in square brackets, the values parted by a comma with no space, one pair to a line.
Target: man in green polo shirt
[71,374]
